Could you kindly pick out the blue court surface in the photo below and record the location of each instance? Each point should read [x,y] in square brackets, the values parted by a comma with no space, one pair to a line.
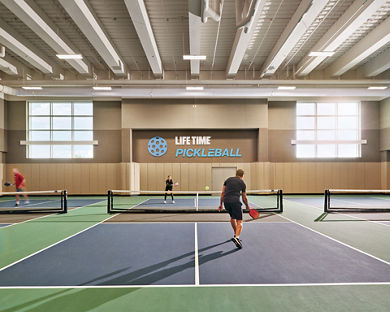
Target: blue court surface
[2,225]
[195,253]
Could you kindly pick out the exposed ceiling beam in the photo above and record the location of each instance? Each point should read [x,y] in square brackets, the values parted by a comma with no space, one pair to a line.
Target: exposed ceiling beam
[29,17]
[140,19]
[345,83]
[378,65]
[270,93]
[242,39]
[24,52]
[7,67]
[194,23]
[371,43]
[300,22]
[85,20]
[354,17]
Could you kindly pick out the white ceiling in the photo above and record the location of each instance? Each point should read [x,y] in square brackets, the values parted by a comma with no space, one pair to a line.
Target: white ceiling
[220,41]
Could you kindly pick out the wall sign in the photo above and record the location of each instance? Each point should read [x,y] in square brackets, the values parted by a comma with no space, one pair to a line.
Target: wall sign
[186,146]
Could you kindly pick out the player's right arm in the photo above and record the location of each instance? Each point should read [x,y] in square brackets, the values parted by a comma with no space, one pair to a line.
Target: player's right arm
[245,200]
[221,200]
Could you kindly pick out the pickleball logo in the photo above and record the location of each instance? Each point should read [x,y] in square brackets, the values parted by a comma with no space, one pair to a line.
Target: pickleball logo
[157,146]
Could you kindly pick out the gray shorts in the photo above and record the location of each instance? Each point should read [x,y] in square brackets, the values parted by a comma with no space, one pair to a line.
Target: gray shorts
[20,190]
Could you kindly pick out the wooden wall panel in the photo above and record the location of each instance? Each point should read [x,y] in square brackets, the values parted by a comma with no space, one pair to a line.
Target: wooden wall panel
[302,177]
[176,175]
[144,175]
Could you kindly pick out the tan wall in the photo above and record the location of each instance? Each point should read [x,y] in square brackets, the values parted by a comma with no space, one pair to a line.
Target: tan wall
[181,113]
[292,177]
[277,167]
[86,178]
[384,123]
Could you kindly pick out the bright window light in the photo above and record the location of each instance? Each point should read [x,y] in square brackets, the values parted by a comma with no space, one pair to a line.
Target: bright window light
[60,126]
[107,88]
[32,88]
[286,87]
[328,130]
[377,88]
[194,57]
[69,56]
[321,53]
[194,88]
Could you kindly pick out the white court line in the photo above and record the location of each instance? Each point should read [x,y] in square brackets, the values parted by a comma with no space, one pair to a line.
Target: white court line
[201,286]
[186,222]
[345,214]
[54,244]
[196,256]
[338,241]
[360,218]
[36,218]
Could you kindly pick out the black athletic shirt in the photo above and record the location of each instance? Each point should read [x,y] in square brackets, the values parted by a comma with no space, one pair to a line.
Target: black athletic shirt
[169,183]
[233,188]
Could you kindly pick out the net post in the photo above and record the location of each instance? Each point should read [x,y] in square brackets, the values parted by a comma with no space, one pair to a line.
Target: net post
[280,199]
[64,201]
[109,200]
[197,201]
[326,201]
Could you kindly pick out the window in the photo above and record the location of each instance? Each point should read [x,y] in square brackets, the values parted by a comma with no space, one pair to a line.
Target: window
[328,130]
[61,130]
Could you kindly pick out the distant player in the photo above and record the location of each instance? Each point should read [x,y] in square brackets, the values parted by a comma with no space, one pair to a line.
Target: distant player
[232,188]
[20,184]
[168,189]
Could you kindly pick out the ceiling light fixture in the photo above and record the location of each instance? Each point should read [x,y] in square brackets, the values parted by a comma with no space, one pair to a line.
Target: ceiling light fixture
[100,88]
[32,88]
[69,56]
[194,88]
[377,88]
[194,57]
[286,87]
[321,53]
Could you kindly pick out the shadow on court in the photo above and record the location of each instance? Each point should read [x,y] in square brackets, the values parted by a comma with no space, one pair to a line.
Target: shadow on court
[157,272]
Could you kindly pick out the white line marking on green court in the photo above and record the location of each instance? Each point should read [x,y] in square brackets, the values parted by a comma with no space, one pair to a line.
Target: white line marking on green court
[354,217]
[202,286]
[49,214]
[196,256]
[338,241]
[54,244]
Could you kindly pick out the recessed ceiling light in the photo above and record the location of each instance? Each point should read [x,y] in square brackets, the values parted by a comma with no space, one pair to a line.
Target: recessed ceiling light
[193,88]
[69,56]
[194,57]
[321,53]
[107,88]
[286,87]
[32,88]
[377,88]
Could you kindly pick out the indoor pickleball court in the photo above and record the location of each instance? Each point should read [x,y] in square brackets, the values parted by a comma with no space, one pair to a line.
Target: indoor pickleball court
[194,155]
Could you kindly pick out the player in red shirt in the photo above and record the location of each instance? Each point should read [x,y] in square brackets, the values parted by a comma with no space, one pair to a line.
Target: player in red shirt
[20,184]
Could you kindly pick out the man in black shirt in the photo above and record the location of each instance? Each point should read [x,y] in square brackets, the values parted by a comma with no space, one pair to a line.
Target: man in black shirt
[232,188]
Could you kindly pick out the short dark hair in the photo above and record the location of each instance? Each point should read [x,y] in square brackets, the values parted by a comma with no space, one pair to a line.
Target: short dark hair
[240,173]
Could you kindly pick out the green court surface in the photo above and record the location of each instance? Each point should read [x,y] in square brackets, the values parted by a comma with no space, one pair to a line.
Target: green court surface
[365,237]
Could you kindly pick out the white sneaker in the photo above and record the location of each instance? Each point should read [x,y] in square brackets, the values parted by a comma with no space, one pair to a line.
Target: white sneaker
[165,201]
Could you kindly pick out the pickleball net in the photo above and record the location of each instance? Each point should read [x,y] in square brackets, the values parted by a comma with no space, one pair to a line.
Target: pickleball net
[356,200]
[127,201]
[53,201]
